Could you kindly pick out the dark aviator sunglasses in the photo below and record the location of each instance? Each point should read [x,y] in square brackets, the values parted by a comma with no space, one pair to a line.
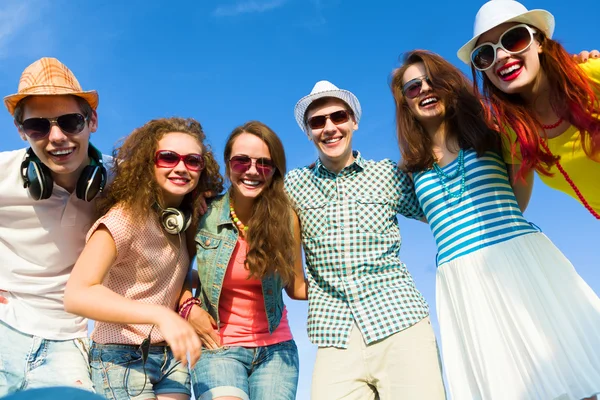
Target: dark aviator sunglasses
[38,128]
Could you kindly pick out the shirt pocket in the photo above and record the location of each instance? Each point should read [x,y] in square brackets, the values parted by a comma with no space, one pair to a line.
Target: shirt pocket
[207,242]
[374,214]
[313,219]
[207,247]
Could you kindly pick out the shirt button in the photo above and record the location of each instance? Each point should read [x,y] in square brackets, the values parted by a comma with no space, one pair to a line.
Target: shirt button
[269,292]
[207,242]
[271,310]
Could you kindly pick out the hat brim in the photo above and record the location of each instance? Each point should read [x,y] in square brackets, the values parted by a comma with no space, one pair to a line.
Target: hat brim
[540,19]
[91,96]
[344,95]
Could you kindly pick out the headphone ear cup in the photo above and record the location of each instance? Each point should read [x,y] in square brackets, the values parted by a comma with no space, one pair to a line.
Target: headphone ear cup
[38,180]
[90,182]
[173,220]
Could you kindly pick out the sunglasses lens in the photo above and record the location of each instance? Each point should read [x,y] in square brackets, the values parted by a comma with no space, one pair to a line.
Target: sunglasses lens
[240,164]
[516,40]
[264,166]
[71,123]
[339,117]
[167,159]
[317,122]
[483,57]
[194,162]
[413,89]
[36,128]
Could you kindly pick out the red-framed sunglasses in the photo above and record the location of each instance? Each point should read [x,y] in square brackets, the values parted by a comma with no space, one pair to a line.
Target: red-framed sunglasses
[242,163]
[170,159]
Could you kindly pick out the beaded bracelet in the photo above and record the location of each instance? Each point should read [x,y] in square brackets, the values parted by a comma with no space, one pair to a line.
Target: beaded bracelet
[186,307]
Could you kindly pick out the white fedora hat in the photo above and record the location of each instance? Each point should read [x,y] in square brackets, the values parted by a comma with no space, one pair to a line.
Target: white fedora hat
[497,12]
[325,89]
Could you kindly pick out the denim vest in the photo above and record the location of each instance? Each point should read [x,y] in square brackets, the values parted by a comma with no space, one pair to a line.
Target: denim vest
[216,238]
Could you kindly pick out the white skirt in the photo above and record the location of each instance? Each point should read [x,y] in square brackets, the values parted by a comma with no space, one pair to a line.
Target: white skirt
[518,323]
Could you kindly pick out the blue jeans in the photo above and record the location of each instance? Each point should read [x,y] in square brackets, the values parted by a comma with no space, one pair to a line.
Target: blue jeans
[250,373]
[54,393]
[28,362]
[119,373]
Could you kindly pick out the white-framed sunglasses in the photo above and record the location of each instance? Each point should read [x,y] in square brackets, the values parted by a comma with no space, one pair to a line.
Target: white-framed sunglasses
[514,40]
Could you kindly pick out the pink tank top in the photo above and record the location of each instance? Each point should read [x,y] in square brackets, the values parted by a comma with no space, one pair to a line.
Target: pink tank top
[242,307]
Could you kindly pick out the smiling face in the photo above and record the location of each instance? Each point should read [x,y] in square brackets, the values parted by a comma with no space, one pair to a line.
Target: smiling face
[251,183]
[333,142]
[175,182]
[427,107]
[65,155]
[513,73]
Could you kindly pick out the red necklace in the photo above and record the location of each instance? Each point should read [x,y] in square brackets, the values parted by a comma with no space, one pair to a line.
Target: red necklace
[560,120]
[570,181]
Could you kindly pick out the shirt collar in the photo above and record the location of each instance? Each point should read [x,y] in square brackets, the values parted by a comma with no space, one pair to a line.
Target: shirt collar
[357,165]
[223,209]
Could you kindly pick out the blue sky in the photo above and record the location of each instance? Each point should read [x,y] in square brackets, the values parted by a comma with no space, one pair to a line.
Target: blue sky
[228,62]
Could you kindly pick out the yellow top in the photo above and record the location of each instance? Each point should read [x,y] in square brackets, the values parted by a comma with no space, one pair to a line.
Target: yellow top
[584,171]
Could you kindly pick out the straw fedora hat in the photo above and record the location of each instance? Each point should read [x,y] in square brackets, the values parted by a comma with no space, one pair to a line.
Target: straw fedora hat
[498,12]
[49,77]
[325,89]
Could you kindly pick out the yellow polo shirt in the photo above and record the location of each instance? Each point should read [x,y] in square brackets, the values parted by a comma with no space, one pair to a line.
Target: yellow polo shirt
[584,171]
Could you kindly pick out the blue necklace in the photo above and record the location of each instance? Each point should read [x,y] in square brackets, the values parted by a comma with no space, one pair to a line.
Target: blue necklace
[444,177]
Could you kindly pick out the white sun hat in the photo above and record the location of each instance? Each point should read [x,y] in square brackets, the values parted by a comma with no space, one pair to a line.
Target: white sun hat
[498,12]
[325,89]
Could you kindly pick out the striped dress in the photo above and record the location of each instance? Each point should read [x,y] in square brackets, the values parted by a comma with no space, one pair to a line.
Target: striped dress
[516,320]
[487,213]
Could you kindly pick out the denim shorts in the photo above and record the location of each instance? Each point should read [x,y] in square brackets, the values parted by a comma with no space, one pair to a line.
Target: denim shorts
[118,372]
[28,362]
[250,373]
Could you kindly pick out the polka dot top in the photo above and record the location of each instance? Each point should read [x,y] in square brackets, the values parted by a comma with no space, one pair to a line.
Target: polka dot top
[148,268]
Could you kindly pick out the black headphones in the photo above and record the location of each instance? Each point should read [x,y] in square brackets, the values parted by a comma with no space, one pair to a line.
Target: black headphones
[174,220]
[37,177]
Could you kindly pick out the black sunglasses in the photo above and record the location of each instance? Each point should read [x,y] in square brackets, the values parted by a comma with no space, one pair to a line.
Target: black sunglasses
[337,117]
[38,128]
[412,88]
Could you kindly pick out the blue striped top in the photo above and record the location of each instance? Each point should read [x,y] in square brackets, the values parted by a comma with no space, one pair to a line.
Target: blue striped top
[487,212]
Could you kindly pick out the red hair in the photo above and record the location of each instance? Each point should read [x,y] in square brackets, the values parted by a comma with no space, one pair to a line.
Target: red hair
[573,97]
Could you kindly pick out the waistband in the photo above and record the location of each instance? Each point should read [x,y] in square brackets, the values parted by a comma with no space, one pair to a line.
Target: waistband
[156,347]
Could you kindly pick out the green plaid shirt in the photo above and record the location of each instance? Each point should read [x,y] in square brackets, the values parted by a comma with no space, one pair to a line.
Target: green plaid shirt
[351,242]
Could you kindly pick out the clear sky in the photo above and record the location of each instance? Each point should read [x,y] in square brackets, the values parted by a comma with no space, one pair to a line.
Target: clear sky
[231,61]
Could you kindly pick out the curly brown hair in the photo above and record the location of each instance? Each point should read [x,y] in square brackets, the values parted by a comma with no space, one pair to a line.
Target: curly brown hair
[134,185]
[270,234]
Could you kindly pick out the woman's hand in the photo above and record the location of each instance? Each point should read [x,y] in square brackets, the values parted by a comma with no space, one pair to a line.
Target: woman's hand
[205,326]
[180,336]
[586,55]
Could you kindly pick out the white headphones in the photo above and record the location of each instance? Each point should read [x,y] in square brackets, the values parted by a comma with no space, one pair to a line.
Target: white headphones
[173,220]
